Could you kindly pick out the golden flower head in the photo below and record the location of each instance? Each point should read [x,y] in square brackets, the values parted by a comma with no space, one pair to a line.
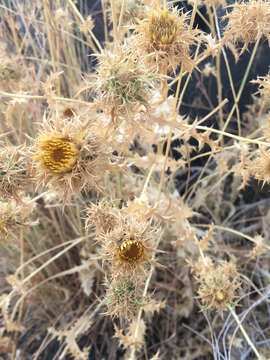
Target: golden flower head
[162,29]
[165,37]
[70,158]
[58,155]
[131,251]
[127,244]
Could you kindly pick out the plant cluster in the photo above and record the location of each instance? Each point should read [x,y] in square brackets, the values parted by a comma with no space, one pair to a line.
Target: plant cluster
[128,228]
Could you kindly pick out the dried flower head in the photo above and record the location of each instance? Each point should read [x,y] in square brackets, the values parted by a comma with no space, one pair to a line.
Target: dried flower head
[218,284]
[248,22]
[127,247]
[14,172]
[162,29]
[13,217]
[165,37]
[121,84]
[68,112]
[69,158]
[101,217]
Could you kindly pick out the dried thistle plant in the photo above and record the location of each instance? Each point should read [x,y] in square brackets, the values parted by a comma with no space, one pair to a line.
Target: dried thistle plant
[248,22]
[125,108]
[101,217]
[127,243]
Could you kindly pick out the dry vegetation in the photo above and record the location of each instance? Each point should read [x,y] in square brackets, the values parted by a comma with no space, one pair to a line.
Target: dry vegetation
[105,253]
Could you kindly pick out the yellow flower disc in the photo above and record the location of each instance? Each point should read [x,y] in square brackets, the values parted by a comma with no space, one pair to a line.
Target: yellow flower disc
[131,250]
[59,155]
